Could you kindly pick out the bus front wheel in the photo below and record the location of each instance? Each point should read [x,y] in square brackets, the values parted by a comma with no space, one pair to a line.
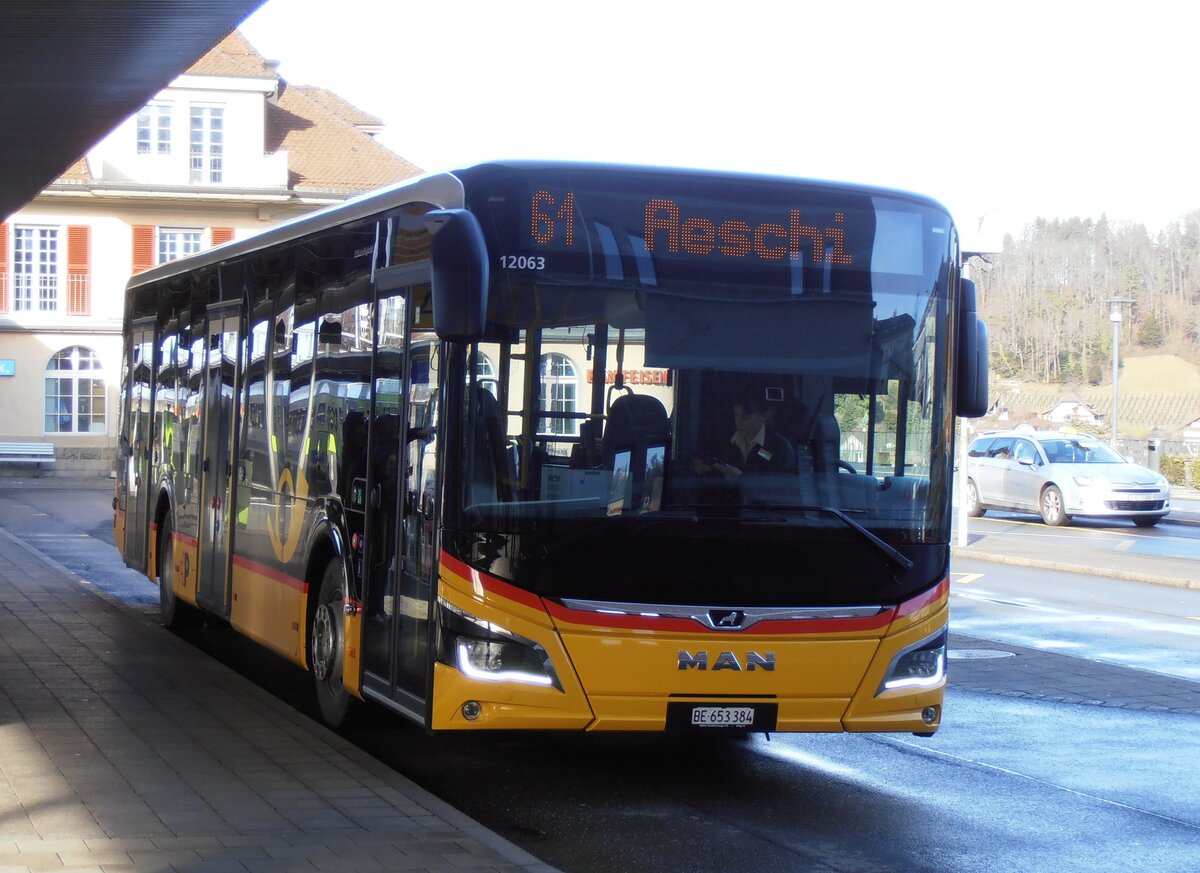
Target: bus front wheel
[327,646]
[176,615]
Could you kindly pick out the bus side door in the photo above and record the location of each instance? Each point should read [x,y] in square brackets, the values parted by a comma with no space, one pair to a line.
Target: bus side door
[222,349]
[398,575]
[136,439]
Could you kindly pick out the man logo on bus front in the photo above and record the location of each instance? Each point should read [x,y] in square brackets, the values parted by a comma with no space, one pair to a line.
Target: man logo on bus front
[726,619]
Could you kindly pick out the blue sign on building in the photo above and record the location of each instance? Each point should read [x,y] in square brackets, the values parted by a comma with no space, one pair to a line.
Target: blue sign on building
[8,367]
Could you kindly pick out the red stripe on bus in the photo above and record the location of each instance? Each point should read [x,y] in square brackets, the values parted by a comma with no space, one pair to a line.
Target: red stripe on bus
[185,539]
[687,625]
[499,588]
[491,584]
[919,602]
[274,575]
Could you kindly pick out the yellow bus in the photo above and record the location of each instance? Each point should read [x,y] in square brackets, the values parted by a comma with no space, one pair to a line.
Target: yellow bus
[571,447]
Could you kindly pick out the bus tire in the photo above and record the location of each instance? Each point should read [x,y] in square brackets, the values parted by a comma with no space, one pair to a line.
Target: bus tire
[327,646]
[175,614]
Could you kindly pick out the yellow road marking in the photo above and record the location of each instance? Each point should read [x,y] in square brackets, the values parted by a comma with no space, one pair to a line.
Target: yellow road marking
[1125,545]
[967,578]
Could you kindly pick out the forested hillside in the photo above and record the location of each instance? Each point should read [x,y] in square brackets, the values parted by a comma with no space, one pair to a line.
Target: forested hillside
[1046,297]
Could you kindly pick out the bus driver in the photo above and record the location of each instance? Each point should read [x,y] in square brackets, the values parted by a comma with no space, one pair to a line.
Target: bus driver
[753,448]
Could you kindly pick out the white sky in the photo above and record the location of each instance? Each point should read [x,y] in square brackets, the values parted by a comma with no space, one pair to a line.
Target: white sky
[1002,111]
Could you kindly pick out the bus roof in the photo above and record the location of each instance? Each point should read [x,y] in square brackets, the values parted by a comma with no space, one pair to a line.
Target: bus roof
[447,191]
[443,190]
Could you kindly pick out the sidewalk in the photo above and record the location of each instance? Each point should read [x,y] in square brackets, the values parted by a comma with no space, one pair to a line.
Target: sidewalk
[122,750]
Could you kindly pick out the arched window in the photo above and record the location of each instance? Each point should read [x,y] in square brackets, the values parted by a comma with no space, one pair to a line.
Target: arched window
[558,395]
[76,401]
[485,373]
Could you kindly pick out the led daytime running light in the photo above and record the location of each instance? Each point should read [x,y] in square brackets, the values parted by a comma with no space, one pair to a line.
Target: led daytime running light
[470,670]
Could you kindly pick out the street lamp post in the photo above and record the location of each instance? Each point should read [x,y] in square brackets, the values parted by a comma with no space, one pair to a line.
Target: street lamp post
[1114,316]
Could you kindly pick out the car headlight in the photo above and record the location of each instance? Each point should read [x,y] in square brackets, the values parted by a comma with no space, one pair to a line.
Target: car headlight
[919,666]
[487,652]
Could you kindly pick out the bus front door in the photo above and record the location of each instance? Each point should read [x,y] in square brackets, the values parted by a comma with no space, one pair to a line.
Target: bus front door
[399,570]
[136,444]
[222,347]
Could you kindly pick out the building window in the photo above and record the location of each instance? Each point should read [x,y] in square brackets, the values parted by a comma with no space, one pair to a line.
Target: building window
[35,269]
[178,242]
[559,385]
[154,129]
[207,139]
[75,394]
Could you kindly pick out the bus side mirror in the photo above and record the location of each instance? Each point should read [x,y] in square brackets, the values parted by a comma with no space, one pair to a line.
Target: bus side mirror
[460,275]
[971,390]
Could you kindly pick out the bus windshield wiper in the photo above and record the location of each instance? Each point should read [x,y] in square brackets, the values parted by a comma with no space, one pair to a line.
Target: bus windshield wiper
[894,556]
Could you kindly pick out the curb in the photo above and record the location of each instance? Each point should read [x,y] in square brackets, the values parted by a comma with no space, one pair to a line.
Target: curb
[1109,572]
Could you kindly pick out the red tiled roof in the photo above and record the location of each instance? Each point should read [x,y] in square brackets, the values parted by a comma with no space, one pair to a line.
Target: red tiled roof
[233,56]
[325,137]
[335,105]
[76,173]
[325,151]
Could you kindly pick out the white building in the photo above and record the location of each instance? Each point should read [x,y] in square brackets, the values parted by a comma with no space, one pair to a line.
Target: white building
[224,151]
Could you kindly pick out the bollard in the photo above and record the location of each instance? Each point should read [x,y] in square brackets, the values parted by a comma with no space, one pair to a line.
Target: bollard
[1152,455]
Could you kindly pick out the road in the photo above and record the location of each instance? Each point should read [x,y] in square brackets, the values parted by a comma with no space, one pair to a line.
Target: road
[1017,779]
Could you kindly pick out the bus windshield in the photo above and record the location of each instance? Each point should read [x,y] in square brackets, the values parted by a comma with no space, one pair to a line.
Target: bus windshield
[705,369]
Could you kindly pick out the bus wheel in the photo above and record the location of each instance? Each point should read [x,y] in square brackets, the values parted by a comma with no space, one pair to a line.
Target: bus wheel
[327,646]
[176,614]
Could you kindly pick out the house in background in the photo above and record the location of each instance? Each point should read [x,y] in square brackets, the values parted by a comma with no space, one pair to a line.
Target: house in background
[225,151]
[1073,411]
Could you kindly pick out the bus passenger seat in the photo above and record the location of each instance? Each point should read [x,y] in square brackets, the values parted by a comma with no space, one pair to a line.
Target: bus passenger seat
[827,443]
[586,454]
[488,462]
[636,423]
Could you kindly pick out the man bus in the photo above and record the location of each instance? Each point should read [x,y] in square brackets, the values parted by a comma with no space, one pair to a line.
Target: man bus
[447,447]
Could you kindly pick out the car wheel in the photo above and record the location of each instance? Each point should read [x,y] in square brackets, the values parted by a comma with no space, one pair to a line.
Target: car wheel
[1147,521]
[974,508]
[1053,512]
[175,614]
[327,646]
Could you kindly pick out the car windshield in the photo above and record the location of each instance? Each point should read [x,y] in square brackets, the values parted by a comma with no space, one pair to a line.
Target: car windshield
[1073,450]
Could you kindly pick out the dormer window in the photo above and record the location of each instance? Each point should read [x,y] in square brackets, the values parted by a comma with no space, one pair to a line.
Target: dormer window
[207,144]
[154,129]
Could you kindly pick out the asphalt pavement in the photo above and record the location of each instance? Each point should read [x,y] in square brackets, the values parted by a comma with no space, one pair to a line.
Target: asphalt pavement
[1079,556]
[121,749]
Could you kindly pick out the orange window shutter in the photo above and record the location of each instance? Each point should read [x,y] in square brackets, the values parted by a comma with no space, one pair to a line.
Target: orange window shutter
[221,235]
[79,278]
[3,268]
[143,247]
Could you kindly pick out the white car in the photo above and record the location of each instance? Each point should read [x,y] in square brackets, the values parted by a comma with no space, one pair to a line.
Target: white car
[1058,475]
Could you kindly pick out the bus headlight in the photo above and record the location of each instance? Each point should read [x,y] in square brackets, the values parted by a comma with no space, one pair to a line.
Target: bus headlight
[919,666]
[485,651]
[504,661]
